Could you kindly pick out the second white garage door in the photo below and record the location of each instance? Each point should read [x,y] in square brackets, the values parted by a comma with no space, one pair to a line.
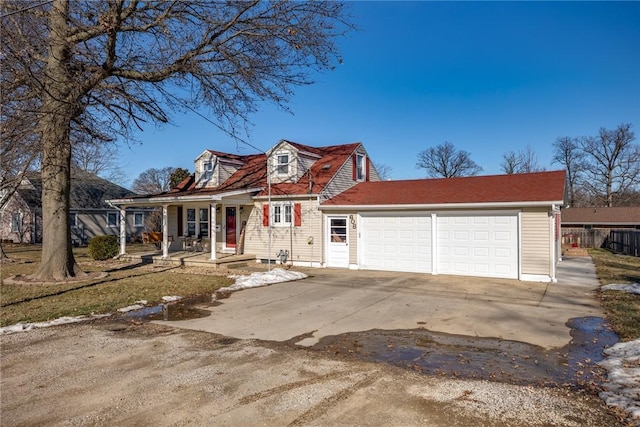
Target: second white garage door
[478,245]
[396,242]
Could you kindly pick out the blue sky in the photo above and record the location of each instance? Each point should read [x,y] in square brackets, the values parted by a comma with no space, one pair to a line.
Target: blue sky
[487,76]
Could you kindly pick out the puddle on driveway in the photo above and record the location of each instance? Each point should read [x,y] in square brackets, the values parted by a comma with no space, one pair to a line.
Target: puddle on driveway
[485,358]
[436,353]
[183,309]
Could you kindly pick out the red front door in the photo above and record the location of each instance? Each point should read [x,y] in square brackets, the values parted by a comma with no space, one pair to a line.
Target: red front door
[230,226]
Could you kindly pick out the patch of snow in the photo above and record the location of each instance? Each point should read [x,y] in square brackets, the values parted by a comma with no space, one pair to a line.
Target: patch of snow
[130,308]
[256,280]
[633,288]
[141,302]
[622,388]
[171,298]
[24,327]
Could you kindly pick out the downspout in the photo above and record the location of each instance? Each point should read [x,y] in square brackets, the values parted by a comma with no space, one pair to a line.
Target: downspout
[552,238]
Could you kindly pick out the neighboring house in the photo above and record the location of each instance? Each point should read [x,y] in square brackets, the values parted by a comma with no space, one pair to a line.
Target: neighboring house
[90,215]
[605,217]
[589,227]
[326,207]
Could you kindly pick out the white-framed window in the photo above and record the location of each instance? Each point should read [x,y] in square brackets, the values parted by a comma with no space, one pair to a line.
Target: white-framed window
[112,219]
[281,214]
[16,222]
[191,222]
[73,219]
[207,170]
[282,164]
[138,219]
[361,172]
[204,222]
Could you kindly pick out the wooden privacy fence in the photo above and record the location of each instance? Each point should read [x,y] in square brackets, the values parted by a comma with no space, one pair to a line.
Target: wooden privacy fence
[624,241]
[581,238]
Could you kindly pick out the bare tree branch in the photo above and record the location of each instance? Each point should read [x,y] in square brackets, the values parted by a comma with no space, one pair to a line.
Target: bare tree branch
[103,69]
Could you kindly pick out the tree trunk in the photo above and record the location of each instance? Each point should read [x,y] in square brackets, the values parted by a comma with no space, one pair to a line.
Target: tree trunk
[3,254]
[609,188]
[58,109]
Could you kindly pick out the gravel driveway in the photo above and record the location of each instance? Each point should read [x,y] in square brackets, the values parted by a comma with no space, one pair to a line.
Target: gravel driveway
[111,372]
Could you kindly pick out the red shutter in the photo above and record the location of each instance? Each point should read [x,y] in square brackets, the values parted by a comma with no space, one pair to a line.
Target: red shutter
[265,215]
[297,214]
[355,167]
[366,177]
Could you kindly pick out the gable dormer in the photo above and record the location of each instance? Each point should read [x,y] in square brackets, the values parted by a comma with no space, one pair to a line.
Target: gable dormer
[213,168]
[206,170]
[288,163]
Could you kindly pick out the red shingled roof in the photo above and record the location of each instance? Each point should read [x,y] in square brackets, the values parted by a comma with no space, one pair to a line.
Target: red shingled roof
[253,173]
[528,187]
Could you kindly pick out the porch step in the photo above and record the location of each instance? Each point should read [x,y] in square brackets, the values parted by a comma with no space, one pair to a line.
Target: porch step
[193,259]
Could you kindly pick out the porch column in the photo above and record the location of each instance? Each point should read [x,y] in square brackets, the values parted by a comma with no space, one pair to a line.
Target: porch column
[165,232]
[212,231]
[123,230]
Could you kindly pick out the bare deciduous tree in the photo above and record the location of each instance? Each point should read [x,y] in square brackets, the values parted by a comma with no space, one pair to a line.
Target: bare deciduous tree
[567,152]
[614,164]
[98,158]
[106,68]
[153,181]
[446,161]
[524,161]
[384,171]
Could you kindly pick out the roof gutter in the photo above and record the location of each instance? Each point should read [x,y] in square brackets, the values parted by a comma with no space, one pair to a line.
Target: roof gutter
[439,206]
[287,196]
[181,199]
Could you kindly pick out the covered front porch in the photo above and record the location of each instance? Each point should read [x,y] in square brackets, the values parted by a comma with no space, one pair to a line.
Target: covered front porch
[194,227]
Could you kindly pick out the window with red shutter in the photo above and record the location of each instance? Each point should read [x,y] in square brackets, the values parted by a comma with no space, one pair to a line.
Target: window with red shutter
[297,214]
[366,178]
[265,215]
[355,167]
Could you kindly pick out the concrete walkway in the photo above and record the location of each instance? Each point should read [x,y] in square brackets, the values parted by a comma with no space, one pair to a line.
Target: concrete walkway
[332,302]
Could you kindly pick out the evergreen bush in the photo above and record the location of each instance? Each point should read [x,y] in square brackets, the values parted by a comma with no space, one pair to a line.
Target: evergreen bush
[103,247]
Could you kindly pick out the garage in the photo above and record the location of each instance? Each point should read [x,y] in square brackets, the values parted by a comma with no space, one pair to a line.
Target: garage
[396,242]
[498,226]
[478,245]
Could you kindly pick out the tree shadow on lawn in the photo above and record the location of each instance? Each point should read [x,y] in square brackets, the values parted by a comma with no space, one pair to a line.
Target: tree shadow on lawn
[91,284]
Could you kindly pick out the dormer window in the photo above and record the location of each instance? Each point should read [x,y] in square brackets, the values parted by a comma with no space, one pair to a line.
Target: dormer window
[282,164]
[207,170]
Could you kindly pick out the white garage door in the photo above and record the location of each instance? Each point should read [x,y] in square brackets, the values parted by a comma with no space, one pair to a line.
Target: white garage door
[478,245]
[395,242]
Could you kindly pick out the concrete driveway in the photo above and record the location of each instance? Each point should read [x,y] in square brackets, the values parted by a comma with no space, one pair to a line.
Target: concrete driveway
[332,302]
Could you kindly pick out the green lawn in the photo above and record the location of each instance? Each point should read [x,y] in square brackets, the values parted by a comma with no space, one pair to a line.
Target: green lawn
[125,284]
[623,309]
